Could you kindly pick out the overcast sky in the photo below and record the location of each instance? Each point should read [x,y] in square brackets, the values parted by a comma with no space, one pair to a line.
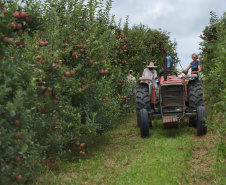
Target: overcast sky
[184,19]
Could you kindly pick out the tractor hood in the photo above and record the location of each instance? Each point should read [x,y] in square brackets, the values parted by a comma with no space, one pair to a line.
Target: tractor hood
[170,79]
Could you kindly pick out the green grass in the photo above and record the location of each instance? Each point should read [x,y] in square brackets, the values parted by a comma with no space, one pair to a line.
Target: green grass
[121,156]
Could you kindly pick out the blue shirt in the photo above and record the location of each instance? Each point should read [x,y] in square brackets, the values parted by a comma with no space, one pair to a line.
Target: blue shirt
[169,60]
[194,66]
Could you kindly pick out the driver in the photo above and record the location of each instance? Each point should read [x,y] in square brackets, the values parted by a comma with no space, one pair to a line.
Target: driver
[150,71]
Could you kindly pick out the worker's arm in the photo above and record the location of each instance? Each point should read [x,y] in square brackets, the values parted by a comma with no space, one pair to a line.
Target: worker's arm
[185,71]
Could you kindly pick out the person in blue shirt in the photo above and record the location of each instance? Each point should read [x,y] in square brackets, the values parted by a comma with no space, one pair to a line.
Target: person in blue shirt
[194,65]
[169,62]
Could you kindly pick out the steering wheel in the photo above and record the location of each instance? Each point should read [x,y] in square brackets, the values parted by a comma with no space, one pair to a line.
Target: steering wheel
[169,72]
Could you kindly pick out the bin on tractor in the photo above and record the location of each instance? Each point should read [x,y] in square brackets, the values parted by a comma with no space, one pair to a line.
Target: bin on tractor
[174,99]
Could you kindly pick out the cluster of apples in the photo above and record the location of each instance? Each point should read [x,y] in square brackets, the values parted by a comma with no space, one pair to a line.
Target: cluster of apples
[17,27]
[79,148]
[43,43]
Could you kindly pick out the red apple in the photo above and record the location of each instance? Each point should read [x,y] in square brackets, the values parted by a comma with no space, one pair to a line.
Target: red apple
[19,177]
[63,77]
[18,159]
[18,26]
[24,43]
[46,43]
[42,87]
[17,43]
[39,80]
[67,73]
[27,19]
[75,54]
[16,123]
[106,71]
[79,46]
[49,89]
[3,11]
[12,25]
[42,43]
[10,40]
[16,14]
[23,15]
[30,179]
[51,165]
[101,71]
[20,32]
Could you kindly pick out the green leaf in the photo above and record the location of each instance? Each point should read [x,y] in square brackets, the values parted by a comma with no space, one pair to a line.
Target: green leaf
[24,148]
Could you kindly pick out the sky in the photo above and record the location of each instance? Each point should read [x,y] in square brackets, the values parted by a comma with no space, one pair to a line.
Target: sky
[183,19]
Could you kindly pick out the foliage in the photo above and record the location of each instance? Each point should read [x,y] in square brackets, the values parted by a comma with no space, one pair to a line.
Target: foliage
[214,81]
[63,79]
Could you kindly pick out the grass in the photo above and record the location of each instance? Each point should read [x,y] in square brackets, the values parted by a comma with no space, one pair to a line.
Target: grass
[121,156]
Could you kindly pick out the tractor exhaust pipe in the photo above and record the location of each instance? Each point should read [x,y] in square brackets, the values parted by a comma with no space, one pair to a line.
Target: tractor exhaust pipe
[165,65]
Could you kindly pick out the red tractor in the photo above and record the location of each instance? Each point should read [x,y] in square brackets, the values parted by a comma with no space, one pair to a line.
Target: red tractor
[173,100]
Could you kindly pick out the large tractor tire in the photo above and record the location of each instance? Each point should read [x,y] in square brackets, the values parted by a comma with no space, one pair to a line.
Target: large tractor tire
[201,123]
[144,123]
[195,97]
[142,99]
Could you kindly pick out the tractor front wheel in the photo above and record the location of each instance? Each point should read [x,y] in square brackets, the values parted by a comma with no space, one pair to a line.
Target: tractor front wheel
[201,123]
[144,123]
[195,96]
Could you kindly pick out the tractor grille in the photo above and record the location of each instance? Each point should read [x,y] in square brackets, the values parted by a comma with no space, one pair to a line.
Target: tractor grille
[172,95]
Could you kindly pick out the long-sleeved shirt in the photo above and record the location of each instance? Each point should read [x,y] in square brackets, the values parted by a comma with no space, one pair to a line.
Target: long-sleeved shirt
[152,73]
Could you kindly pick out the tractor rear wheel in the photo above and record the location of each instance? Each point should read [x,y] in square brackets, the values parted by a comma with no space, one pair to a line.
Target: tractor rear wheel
[144,123]
[195,96]
[201,123]
[142,99]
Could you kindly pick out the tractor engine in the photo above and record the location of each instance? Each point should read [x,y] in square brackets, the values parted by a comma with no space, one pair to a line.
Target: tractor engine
[171,101]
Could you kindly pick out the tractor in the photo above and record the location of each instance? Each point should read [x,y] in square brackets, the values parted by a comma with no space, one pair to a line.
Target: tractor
[173,100]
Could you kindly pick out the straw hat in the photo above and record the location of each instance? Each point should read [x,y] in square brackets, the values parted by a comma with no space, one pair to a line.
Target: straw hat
[151,65]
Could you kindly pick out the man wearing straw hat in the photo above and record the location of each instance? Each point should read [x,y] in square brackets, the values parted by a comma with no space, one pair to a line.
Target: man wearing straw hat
[150,71]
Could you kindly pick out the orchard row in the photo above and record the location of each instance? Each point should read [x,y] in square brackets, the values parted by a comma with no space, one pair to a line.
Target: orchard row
[64,68]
